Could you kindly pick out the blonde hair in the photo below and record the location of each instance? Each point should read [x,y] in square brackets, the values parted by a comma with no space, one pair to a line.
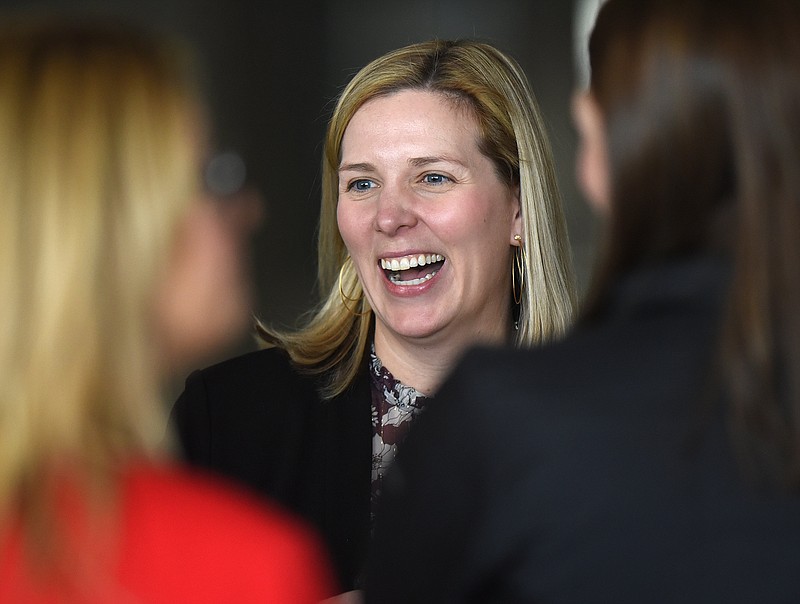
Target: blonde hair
[512,135]
[98,169]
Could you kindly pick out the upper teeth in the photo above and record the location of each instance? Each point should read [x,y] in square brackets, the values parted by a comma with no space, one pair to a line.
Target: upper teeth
[401,264]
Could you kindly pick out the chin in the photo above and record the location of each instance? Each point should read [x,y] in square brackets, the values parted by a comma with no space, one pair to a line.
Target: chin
[415,327]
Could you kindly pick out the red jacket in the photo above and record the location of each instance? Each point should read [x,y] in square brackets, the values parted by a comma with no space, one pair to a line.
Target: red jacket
[184,537]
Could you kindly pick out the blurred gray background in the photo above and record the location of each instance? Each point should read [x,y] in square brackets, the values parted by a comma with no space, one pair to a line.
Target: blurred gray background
[272,71]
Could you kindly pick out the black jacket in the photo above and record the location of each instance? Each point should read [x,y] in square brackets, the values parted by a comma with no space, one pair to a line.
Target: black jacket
[581,471]
[256,420]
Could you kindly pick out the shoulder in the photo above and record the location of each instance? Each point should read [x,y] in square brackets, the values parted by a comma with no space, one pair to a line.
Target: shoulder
[254,374]
[269,361]
[193,498]
[589,385]
[610,359]
[245,416]
[204,529]
[494,393]
[502,373]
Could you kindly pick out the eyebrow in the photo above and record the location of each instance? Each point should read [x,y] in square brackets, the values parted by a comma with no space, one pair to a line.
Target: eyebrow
[357,167]
[424,161]
[414,161]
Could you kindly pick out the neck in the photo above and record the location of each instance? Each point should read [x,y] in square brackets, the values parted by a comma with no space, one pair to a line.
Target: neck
[424,363]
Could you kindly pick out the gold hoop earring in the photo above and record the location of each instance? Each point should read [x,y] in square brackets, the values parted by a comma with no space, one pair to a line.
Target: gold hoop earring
[345,298]
[518,267]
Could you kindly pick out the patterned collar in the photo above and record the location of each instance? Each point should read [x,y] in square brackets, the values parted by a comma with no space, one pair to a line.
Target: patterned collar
[395,407]
[395,392]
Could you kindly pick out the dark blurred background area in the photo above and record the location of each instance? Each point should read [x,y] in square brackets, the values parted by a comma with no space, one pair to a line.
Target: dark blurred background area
[272,71]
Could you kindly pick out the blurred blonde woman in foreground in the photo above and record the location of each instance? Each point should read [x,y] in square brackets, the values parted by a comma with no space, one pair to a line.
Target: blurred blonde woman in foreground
[115,269]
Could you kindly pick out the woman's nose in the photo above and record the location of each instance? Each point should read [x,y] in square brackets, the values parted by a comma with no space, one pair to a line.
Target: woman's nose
[395,210]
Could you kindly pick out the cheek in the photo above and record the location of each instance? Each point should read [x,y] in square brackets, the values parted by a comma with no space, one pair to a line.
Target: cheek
[204,300]
[593,174]
[481,223]
[353,225]
[342,221]
[582,162]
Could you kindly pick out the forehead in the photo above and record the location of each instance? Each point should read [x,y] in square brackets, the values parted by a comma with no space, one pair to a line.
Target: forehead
[412,116]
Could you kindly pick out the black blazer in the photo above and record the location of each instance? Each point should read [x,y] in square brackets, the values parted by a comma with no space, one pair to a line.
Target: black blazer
[581,472]
[254,419]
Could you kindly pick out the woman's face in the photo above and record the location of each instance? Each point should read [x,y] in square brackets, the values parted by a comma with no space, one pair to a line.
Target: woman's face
[427,221]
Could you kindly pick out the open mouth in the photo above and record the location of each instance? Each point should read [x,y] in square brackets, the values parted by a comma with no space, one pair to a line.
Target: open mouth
[412,270]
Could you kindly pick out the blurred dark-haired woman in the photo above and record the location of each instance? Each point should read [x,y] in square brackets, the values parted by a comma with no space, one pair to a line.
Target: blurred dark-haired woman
[654,454]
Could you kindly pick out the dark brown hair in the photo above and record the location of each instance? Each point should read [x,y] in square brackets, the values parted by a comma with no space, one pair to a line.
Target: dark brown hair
[701,105]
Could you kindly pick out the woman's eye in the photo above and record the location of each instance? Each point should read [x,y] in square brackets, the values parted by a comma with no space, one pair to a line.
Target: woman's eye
[435,179]
[362,184]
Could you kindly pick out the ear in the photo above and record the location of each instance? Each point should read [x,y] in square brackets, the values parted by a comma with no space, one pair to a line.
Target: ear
[516,220]
[591,163]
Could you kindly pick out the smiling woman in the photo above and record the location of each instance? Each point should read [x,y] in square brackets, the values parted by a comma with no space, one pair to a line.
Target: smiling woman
[441,228]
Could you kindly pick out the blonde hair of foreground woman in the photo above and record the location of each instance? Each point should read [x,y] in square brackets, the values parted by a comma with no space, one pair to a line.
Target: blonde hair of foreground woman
[513,136]
[99,166]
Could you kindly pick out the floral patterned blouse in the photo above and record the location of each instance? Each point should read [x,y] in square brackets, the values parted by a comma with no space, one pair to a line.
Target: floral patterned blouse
[395,406]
